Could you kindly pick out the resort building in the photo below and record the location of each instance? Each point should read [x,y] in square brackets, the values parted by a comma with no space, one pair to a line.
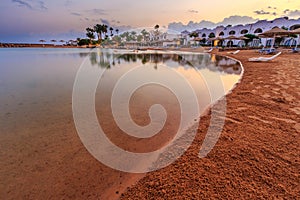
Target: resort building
[241,30]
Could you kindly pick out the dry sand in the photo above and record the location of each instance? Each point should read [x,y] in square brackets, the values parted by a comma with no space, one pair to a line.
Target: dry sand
[256,157]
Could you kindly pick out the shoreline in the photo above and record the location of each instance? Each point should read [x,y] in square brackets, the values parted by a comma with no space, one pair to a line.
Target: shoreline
[233,169]
[59,162]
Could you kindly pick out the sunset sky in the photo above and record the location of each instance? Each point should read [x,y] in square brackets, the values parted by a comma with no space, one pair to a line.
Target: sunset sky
[31,20]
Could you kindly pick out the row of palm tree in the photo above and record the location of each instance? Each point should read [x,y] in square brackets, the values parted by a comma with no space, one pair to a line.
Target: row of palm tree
[100,30]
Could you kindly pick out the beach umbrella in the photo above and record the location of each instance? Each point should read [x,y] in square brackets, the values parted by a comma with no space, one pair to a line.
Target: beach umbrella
[42,41]
[243,38]
[297,32]
[198,39]
[215,38]
[273,33]
[232,37]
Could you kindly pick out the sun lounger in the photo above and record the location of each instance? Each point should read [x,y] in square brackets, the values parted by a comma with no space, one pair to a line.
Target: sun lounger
[264,59]
[295,50]
[234,52]
[209,50]
[267,51]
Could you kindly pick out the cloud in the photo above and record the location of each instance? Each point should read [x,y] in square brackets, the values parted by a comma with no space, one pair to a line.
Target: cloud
[193,11]
[270,7]
[22,4]
[68,3]
[232,20]
[262,12]
[104,21]
[31,4]
[75,14]
[97,11]
[293,13]
[42,5]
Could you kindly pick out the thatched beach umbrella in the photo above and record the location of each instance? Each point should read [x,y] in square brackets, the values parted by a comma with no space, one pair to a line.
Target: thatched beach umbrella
[273,33]
[297,32]
[232,37]
[243,38]
[42,41]
[214,39]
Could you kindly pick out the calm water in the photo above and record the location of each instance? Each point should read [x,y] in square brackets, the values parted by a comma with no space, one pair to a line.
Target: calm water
[38,139]
[38,82]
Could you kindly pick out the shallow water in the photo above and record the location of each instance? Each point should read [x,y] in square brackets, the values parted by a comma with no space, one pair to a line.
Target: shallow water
[36,103]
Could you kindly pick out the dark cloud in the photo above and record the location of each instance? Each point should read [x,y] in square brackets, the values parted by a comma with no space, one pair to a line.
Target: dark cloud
[32,5]
[75,14]
[262,12]
[193,11]
[270,7]
[104,21]
[97,11]
[22,4]
[42,5]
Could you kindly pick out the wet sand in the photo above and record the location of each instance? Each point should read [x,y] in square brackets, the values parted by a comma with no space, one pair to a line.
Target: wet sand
[257,155]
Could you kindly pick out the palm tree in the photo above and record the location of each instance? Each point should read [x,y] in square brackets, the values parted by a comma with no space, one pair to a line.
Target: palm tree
[104,30]
[90,34]
[111,31]
[156,27]
[98,29]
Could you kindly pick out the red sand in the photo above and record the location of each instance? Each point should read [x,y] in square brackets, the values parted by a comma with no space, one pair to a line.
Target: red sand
[257,155]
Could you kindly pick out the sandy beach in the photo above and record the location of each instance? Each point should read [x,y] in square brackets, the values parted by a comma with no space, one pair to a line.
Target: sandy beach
[256,157]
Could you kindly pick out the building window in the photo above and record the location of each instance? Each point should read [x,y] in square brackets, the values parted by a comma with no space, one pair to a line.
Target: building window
[245,31]
[231,32]
[222,34]
[259,30]
[294,27]
[212,35]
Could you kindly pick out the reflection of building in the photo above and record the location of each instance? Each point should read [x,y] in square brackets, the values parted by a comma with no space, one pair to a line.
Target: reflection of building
[240,30]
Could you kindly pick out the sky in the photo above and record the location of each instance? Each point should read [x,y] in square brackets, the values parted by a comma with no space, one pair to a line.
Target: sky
[32,20]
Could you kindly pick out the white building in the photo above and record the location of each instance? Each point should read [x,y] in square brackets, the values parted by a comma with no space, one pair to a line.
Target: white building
[240,30]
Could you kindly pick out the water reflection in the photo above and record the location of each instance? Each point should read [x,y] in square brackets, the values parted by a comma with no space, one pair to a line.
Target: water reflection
[215,63]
